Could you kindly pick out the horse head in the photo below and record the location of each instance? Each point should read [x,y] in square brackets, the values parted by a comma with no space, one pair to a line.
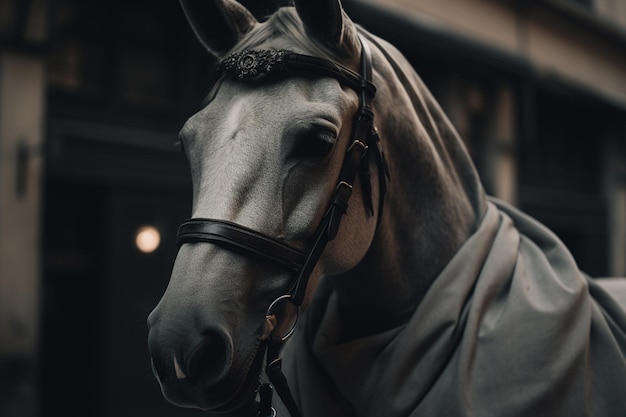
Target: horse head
[268,158]
[265,156]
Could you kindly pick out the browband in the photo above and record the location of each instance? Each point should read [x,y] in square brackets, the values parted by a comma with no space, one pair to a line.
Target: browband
[252,64]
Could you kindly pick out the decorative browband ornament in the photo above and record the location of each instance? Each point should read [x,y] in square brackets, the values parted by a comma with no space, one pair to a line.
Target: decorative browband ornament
[253,64]
[250,64]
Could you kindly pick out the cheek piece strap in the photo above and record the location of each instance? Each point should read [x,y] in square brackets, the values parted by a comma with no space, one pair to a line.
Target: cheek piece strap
[255,66]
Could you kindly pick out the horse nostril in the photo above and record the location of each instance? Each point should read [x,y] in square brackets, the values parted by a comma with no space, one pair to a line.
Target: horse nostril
[211,358]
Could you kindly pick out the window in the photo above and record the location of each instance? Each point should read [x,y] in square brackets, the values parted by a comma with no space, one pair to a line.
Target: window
[117,53]
[77,60]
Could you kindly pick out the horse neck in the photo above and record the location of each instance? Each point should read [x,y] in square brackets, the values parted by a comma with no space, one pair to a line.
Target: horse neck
[433,203]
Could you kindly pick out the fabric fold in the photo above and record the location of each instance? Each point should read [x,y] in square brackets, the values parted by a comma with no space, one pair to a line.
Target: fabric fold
[510,327]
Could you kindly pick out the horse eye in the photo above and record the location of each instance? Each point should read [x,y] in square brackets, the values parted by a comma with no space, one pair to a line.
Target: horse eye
[314,144]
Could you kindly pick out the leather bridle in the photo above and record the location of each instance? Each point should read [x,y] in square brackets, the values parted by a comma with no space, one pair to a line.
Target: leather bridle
[256,65]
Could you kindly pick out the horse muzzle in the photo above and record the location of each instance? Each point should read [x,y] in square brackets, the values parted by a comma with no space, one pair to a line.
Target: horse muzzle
[198,372]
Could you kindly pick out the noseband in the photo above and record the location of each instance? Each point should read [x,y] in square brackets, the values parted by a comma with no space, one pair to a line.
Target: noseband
[254,66]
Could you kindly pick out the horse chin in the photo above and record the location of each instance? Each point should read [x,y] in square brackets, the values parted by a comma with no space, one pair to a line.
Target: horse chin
[245,394]
[227,396]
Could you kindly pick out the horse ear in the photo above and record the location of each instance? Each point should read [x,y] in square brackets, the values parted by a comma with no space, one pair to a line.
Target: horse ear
[218,24]
[326,20]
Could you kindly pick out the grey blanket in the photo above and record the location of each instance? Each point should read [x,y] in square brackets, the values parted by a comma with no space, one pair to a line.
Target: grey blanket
[510,327]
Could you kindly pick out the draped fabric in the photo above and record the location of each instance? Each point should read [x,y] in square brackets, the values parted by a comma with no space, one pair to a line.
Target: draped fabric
[510,327]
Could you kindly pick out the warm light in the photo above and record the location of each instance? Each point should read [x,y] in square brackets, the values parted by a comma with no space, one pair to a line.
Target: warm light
[147,239]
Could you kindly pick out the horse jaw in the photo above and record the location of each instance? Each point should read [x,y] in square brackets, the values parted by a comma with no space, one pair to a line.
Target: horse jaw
[429,208]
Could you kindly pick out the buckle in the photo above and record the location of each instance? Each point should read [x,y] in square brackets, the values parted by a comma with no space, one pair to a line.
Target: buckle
[360,146]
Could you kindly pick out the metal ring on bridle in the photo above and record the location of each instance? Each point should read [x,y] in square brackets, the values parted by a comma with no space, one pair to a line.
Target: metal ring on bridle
[270,311]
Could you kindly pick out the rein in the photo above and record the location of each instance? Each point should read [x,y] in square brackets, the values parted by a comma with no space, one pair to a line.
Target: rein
[257,65]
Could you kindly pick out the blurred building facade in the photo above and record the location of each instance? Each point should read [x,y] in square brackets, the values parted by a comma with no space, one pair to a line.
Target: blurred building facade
[92,95]
[538,91]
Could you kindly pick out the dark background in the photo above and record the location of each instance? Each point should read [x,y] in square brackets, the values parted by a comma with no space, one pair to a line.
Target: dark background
[123,76]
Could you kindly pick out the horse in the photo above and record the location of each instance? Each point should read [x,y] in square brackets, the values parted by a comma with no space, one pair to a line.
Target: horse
[327,179]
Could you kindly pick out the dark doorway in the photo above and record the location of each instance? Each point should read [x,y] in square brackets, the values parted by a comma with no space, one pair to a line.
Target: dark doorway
[98,291]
